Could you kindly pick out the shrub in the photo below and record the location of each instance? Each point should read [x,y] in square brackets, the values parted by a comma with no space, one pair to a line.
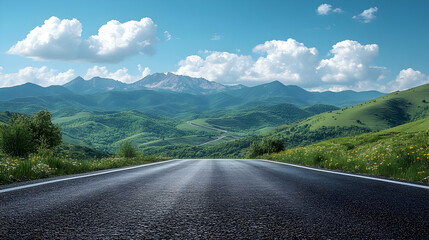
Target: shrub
[272,145]
[268,145]
[24,135]
[46,134]
[254,150]
[17,137]
[127,150]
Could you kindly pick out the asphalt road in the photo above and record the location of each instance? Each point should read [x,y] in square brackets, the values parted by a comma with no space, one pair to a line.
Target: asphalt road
[216,199]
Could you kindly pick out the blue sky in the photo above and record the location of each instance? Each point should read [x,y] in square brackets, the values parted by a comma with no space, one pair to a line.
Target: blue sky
[339,47]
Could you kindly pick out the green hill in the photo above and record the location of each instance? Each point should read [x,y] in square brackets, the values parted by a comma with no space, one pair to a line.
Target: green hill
[261,117]
[382,113]
[104,130]
[399,152]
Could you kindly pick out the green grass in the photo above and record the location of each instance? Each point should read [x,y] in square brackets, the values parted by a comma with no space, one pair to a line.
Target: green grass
[257,119]
[381,113]
[50,165]
[401,152]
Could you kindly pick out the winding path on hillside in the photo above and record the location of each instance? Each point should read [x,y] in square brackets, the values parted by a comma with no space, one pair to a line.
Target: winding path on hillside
[215,199]
[224,132]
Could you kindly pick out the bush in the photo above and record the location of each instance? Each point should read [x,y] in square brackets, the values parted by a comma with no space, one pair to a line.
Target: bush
[127,150]
[17,137]
[24,135]
[46,134]
[272,145]
[268,145]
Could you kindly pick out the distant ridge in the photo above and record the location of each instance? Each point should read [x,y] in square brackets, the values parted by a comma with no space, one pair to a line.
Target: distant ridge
[165,92]
[182,84]
[157,81]
[31,90]
[94,85]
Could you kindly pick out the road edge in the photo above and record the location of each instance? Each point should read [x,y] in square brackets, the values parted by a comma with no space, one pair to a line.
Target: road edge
[349,174]
[84,175]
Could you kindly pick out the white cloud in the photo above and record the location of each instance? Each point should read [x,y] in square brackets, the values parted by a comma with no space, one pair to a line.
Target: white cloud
[61,40]
[167,36]
[287,61]
[222,67]
[351,62]
[42,76]
[325,9]
[408,78]
[367,15]
[350,66]
[120,74]
[216,37]
[338,10]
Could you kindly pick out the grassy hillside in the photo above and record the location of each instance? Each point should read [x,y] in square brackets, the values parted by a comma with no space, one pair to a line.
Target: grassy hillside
[104,130]
[400,152]
[261,117]
[382,113]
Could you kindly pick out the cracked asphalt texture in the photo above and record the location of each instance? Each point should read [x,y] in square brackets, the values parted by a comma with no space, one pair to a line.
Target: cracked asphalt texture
[216,199]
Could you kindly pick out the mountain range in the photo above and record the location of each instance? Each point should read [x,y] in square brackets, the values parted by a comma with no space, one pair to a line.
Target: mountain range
[180,105]
[169,82]
[158,81]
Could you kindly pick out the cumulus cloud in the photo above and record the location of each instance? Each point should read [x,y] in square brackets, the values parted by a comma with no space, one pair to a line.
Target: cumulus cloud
[325,9]
[408,78]
[287,61]
[120,74]
[367,15]
[349,66]
[351,62]
[42,76]
[222,67]
[62,40]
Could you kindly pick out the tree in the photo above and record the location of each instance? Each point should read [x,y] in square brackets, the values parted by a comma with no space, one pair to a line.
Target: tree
[17,137]
[127,150]
[24,135]
[46,134]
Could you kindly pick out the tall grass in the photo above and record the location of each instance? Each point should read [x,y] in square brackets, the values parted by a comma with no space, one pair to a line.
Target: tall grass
[396,155]
[48,164]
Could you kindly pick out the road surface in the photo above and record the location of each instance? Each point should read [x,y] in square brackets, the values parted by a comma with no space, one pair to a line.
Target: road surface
[214,199]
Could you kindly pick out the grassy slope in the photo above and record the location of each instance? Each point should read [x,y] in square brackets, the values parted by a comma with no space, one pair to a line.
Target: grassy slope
[382,113]
[260,118]
[401,152]
[104,130]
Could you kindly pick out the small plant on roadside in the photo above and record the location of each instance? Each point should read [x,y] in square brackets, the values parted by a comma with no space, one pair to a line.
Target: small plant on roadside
[127,150]
[268,145]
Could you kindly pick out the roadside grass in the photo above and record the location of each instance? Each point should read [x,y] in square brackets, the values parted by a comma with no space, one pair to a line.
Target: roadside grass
[48,164]
[401,155]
